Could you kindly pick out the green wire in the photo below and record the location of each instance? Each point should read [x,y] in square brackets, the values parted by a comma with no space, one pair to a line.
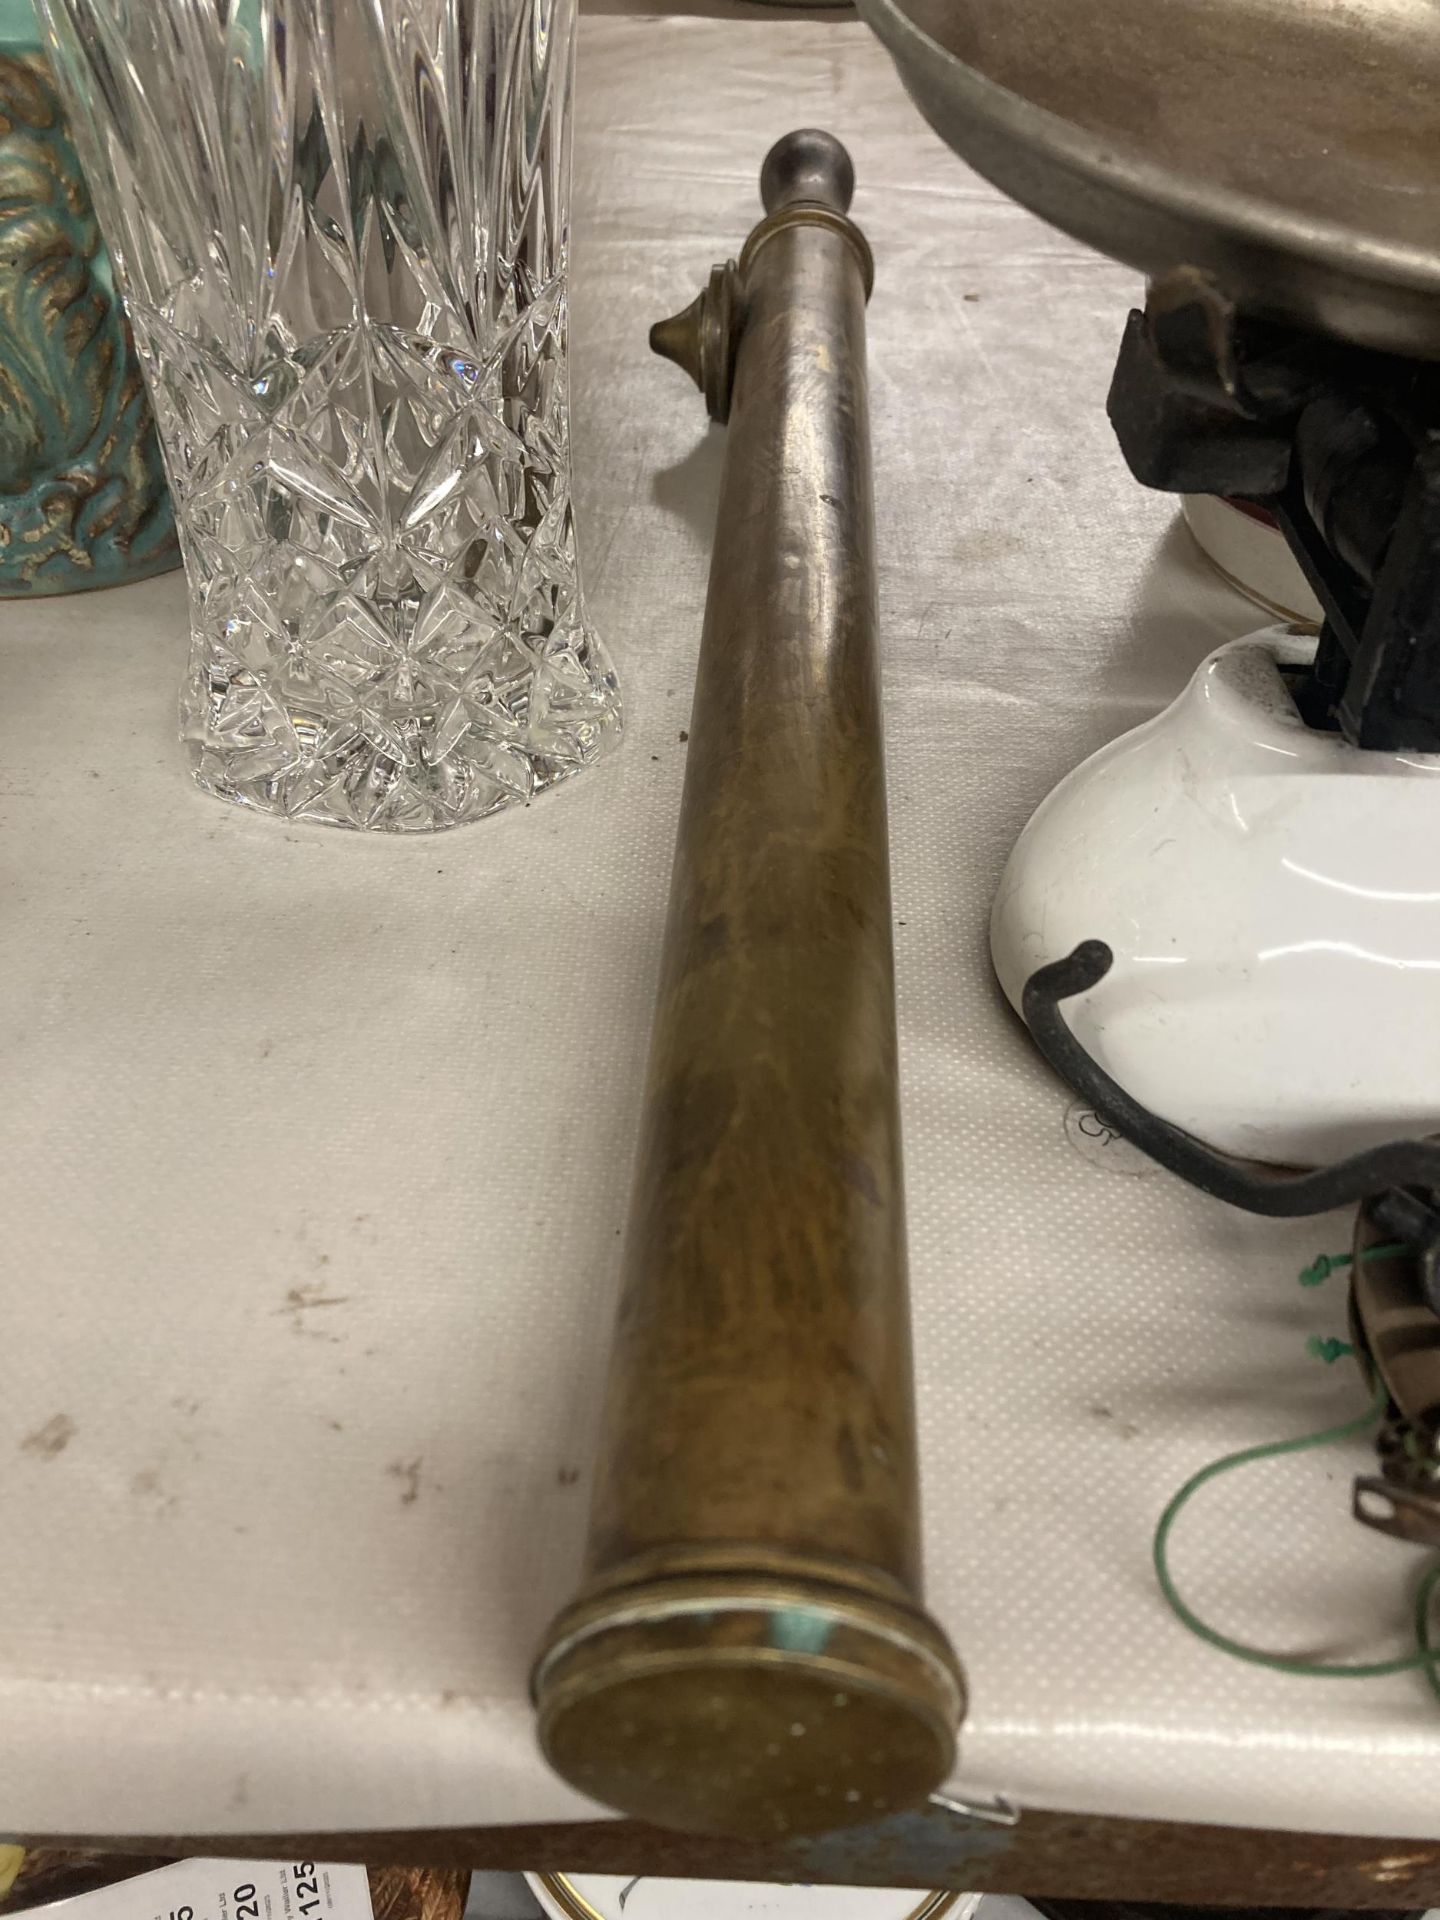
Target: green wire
[1320,1347]
[1324,1264]
[1427,1657]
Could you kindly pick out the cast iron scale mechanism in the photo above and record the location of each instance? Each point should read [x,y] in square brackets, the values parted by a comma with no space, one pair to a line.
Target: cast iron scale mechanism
[1273,168]
[1342,445]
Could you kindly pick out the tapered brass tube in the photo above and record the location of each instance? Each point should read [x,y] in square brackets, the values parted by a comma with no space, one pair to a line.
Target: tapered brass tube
[748,1652]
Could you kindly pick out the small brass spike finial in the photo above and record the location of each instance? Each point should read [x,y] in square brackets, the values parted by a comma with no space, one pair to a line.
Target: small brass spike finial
[702,339]
[678,339]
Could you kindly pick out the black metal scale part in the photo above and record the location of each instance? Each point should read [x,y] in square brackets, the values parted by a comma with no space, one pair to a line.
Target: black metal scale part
[1342,445]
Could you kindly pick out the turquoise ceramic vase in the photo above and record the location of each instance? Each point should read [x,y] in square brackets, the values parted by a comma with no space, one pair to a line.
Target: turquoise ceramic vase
[83,501]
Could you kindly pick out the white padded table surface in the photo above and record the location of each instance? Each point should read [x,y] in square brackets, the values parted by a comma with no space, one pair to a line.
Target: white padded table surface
[314,1148]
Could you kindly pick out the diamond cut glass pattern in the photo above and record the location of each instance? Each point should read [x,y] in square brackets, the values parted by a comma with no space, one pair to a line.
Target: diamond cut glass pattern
[340,228]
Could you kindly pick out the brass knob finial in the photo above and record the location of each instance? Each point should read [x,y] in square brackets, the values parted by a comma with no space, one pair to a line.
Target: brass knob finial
[808,165]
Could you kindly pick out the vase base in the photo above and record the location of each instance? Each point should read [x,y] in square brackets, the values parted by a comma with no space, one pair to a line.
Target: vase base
[358,785]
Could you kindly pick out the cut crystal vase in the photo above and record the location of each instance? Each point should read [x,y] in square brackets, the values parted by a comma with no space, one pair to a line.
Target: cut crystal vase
[340,227]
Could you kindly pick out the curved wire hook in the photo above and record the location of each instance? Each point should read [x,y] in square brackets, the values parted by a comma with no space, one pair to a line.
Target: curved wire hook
[1398,1163]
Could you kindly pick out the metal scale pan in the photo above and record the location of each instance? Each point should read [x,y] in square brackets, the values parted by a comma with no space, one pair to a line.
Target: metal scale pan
[1291,148]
